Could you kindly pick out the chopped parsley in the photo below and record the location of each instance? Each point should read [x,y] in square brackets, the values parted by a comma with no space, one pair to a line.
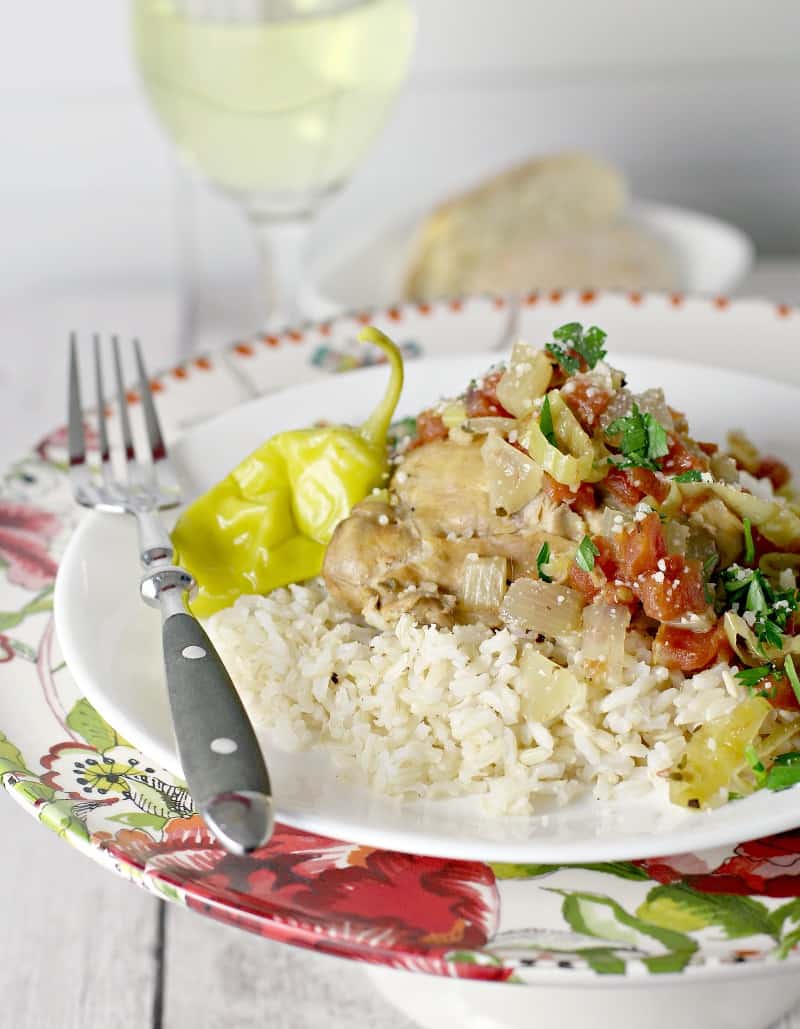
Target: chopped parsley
[541,560]
[692,475]
[751,677]
[580,345]
[791,675]
[585,554]
[755,762]
[748,590]
[749,546]
[642,440]
[546,423]
[785,772]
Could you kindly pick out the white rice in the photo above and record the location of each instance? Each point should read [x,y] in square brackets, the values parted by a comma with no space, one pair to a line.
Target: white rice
[418,711]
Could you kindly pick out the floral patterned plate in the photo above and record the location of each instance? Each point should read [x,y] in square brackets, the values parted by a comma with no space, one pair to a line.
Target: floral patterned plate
[716,913]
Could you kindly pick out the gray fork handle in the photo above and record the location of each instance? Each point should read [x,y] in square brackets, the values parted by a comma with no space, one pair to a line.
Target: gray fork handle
[218,749]
[219,753]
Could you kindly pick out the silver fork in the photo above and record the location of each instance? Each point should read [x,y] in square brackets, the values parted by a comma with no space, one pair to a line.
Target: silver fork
[219,752]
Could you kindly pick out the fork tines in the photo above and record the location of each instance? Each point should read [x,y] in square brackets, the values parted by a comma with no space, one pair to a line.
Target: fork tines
[143,466]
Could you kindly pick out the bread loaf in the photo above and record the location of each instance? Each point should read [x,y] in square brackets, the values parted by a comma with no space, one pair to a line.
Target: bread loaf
[546,224]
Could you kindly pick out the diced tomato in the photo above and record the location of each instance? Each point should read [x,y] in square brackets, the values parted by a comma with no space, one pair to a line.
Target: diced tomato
[556,491]
[583,499]
[430,427]
[680,459]
[779,693]
[708,448]
[590,584]
[639,549]
[674,590]
[586,401]
[649,483]
[776,471]
[689,651]
[619,485]
[481,400]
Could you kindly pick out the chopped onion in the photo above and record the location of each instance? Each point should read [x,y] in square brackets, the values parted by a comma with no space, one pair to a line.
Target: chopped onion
[700,544]
[483,583]
[454,414]
[611,522]
[744,453]
[604,629]
[490,423]
[676,536]
[513,478]
[547,689]
[724,468]
[525,380]
[531,605]
[715,519]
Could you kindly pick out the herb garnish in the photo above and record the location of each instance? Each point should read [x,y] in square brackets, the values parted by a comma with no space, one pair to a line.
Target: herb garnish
[541,560]
[585,554]
[586,345]
[785,772]
[691,475]
[755,762]
[749,546]
[546,423]
[791,675]
[751,677]
[748,589]
[643,439]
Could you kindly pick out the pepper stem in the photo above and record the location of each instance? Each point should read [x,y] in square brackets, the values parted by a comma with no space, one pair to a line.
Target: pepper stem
[376,428]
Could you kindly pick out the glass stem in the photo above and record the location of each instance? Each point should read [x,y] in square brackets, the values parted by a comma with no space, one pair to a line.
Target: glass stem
[281,246]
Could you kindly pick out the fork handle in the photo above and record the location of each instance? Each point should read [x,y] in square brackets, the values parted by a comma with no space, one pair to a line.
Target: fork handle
[218,749]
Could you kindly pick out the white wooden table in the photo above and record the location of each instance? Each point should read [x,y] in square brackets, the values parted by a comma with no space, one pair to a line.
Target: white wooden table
[80,949]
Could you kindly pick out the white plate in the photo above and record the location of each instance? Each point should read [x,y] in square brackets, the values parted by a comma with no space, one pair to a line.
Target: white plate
[112,646]
[712,256]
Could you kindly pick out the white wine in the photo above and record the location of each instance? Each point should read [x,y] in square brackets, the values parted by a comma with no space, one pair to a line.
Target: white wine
[280,108]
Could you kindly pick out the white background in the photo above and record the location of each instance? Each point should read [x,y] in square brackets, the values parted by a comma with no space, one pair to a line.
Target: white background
[698,103]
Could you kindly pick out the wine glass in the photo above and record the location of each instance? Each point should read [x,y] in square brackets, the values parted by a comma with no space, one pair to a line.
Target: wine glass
[274,102]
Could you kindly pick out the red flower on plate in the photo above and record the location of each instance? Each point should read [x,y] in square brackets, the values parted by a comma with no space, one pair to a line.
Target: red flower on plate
[23,531]
[6,650]
[769,867]
[324,893]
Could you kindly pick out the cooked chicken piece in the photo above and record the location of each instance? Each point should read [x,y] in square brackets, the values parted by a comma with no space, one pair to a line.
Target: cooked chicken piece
[443,486]
[723,525]
[380,562]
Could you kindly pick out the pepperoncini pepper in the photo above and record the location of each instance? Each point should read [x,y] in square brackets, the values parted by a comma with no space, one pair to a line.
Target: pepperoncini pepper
[268,522]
